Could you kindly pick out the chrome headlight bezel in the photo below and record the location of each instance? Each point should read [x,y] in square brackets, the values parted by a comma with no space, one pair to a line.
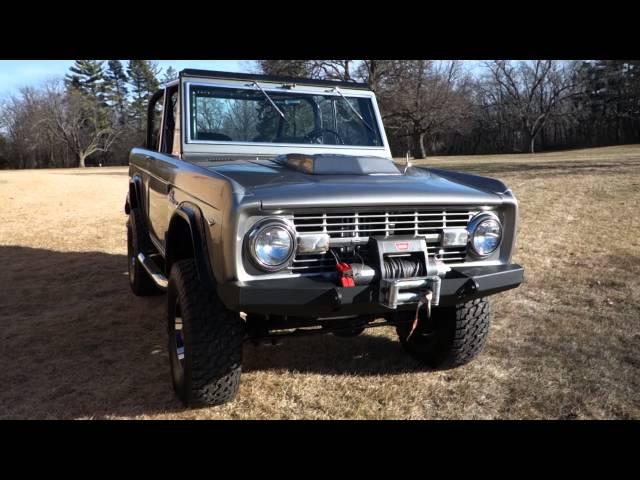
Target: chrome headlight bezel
[253,235]
[472,227]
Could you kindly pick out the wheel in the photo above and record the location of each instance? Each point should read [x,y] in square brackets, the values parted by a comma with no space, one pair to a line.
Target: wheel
[452,337]
[138,241]
[205,340]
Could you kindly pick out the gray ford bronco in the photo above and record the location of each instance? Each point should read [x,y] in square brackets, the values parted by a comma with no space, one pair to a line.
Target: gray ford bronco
[267,207]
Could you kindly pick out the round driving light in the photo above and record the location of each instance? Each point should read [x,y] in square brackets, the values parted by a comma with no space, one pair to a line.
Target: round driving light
[271,245]
[486,234]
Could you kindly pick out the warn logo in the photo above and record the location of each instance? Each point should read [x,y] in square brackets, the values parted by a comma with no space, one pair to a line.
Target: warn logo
[402,245]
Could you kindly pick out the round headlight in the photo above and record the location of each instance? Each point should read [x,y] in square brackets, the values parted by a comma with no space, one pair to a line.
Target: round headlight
[485,233]
[272,244]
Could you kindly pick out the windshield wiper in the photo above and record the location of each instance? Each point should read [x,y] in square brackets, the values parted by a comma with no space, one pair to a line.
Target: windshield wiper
[273,104]
[355,111]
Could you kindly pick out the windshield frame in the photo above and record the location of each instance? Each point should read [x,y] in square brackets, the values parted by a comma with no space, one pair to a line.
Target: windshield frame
[191,145]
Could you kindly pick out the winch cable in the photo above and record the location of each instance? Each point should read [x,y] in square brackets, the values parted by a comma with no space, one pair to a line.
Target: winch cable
[394,267]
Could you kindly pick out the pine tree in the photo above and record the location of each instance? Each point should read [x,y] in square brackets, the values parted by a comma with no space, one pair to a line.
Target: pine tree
[144,82]
[87,77]
[169,75]
[86,91]
[115,89]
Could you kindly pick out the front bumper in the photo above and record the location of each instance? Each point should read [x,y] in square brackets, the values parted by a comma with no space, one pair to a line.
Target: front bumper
[316,297]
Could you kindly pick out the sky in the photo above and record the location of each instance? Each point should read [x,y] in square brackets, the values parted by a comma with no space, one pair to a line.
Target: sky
[19,73]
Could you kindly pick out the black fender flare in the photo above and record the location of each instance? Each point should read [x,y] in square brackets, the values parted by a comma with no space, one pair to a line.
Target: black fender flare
[134,196]
[194,219]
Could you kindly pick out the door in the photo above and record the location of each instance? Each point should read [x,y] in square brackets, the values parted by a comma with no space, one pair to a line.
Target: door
[157,172]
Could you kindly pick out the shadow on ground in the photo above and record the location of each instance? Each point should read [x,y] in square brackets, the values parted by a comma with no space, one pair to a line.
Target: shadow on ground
[77,343]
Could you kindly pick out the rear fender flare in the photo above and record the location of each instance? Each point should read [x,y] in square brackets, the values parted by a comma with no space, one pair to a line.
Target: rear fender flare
[134,196]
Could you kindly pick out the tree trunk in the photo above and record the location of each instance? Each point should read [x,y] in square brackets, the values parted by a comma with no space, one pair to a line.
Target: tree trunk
[418,146]
[81,160]
[532,144]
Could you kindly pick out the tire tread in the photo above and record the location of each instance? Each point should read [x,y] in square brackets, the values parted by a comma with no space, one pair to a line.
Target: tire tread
[214,336]
[462,334]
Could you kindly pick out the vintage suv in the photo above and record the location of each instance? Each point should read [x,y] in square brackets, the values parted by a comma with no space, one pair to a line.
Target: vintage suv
[268,206]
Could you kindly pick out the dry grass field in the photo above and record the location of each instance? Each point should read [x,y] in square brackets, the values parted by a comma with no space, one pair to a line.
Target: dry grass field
[75,343]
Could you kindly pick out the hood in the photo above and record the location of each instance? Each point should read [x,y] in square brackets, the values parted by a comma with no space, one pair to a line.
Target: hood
[278,185]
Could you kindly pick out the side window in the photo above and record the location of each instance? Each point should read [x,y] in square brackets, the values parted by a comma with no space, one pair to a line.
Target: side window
[154,123]
[169,126]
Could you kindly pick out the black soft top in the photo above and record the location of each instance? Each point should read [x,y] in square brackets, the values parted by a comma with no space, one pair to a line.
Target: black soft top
[189,72]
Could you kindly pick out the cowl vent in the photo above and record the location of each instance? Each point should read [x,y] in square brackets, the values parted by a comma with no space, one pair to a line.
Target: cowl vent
[330,164]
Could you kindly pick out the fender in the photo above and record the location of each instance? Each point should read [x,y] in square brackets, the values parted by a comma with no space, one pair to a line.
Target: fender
[192,215]
[489,185]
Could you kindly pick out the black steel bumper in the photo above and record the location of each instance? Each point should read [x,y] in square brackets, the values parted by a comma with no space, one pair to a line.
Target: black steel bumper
[319,297]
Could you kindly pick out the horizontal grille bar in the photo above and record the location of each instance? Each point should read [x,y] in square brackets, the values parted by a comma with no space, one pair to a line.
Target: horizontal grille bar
[349,226]
[381,215]
[362,224]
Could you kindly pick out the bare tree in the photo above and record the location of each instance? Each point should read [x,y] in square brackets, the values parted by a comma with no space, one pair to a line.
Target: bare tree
[28,146]
[285,68]
[344,70]
[425,98]
[67,116]
[529,92]
[332,69]
[381,75]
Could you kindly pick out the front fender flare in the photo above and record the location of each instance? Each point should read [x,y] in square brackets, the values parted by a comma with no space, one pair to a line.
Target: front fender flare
[192,216]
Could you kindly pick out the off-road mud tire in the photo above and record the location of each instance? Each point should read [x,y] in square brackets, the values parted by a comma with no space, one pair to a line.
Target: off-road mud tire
[138,241]
[452,337]
[212,337]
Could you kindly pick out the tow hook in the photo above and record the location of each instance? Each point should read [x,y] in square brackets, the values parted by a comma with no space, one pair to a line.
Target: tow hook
[425,300]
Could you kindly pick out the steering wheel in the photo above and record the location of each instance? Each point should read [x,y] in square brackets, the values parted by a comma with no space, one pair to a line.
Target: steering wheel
[317,133]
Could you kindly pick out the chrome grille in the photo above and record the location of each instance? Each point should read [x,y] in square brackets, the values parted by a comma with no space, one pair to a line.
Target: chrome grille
[358,226]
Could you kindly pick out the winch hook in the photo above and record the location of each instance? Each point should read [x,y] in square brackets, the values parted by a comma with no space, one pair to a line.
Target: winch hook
[426,300]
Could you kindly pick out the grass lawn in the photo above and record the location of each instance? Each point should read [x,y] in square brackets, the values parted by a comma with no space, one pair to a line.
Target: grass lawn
[76,343]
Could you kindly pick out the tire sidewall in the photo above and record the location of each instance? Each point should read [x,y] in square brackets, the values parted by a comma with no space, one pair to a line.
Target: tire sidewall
[179,374]
[213,338]
[131,252]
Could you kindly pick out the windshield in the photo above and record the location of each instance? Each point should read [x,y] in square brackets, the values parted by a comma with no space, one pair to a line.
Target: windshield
[220,114]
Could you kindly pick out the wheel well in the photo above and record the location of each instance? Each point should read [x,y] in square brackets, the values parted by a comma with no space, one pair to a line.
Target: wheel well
[185,238]
[179,242]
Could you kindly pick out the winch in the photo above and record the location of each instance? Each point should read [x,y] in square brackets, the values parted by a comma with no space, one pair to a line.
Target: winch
[402,266]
